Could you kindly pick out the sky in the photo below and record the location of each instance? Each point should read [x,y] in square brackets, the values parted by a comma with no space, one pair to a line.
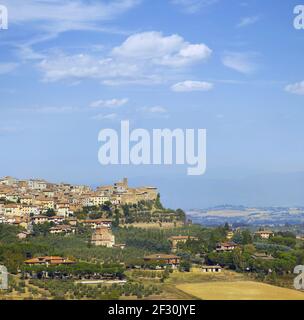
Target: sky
[235,68]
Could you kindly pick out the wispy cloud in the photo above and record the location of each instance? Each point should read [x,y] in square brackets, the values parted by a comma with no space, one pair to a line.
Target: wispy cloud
[189,86]
[112,103]
[193,6]
[247,21]
[110,116]
[154,112]
[8,67]
[241,62]
[295,88]
[65,15]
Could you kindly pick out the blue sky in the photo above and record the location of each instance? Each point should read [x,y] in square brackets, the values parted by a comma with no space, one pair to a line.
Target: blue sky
[71,68]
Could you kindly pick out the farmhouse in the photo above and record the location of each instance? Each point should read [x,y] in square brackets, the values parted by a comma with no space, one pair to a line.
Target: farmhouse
[226,247]
[53,260]
[175,240]
[103,237]
[211,269]
[264,234]
[166,259]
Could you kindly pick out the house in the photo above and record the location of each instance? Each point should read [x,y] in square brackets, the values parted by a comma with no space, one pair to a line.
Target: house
[40,219]
[8,181]
[28,210]
[226,247]
[72,221]
[28,200]
[56,219]
[37,184]
[98,223]
[62,229]
[53,260]
[98,200]
[103,237]
[211,269]
[63,209]
[175,240]
[12,210]
[264,234]
[166,259]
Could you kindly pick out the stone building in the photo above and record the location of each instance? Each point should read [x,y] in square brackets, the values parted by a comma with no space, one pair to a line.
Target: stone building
[103,236]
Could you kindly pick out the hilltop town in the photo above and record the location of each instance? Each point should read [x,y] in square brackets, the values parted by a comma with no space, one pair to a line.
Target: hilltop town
[27,202]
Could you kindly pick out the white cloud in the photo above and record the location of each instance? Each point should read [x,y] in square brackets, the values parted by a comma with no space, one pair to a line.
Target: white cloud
[113,103]
[241,62]
[171,51]
[65,15]
[189,86]
[193,6]
[154,112]
[81,66]
[7,67]
[295,88]
[144,58]
[111,116]
[247,21]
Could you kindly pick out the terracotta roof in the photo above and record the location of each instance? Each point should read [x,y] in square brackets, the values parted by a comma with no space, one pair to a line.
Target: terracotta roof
[49,259]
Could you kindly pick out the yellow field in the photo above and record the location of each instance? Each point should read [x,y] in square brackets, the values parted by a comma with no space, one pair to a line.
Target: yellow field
[239,290]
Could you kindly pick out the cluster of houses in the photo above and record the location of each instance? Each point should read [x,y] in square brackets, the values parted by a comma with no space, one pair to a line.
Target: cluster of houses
[24,201]
[228,246]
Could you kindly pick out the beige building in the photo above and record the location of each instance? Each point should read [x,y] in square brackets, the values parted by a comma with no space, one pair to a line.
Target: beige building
[62,229]
[264,234]
[175,240]
[98,223]
[226,246]
[211,269]
[103,237]
[12,210]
